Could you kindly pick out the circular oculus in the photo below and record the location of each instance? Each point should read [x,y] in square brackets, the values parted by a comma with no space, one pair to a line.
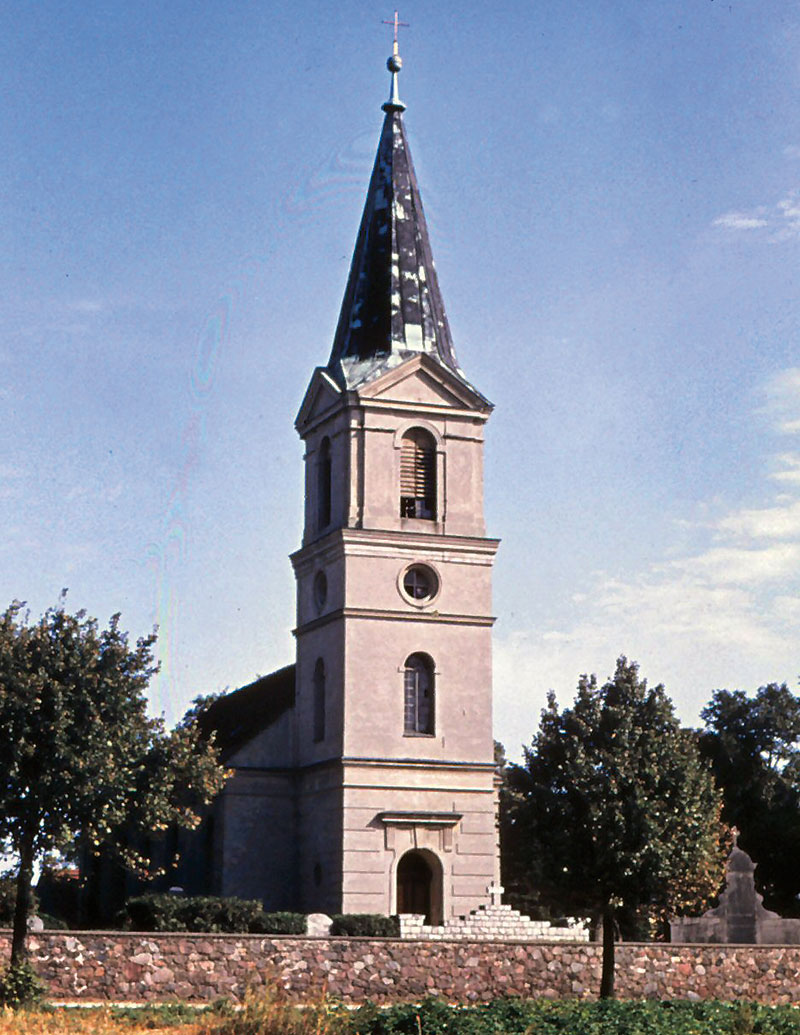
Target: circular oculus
[420,583]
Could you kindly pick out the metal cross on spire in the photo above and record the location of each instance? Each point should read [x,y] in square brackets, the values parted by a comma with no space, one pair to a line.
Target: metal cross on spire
[396,23]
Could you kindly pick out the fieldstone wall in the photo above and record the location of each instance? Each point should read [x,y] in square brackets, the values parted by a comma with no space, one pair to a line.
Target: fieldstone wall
[96,966]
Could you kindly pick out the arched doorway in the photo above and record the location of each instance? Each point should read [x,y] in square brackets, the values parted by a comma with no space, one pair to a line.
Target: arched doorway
[419,886]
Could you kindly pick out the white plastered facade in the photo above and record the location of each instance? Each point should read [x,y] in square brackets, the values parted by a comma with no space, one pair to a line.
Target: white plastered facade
[370,791]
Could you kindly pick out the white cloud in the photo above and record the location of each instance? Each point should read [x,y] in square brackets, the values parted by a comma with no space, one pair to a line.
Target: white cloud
[783,218]
[783,400]
[789,208]
[731,566]
[725,613]
[788,608]
[740,221]
[790,205]
[690,629]
[765,523]
[789,470]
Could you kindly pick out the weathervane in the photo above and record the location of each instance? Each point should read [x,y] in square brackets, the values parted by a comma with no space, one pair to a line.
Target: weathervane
[394,64]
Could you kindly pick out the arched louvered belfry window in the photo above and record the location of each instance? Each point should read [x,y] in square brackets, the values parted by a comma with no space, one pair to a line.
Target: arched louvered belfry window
[324,484]
[418,475]
[418,694]
[319,701]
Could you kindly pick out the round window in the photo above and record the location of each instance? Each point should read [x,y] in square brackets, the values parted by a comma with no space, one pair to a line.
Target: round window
[420,583]
[320,590]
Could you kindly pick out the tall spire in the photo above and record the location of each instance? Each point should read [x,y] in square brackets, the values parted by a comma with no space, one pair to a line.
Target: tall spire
[392,307]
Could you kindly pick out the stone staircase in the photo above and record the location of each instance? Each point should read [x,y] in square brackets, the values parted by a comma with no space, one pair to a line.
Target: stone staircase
[492,923]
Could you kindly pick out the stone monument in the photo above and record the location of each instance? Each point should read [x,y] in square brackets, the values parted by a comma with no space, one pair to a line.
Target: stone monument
[740,918]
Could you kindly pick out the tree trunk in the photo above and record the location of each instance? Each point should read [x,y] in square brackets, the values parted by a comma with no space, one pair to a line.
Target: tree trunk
[19,945]
[607,980]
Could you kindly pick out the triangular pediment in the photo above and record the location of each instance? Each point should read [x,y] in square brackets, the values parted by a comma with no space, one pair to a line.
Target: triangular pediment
[423,381]
[322,396]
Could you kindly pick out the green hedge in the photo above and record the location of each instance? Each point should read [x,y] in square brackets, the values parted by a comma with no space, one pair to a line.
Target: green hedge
[206,913]
[365,925]
[280,923]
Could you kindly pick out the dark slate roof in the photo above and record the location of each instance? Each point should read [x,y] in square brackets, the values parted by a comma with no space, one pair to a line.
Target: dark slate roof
[392,308]
[240,715]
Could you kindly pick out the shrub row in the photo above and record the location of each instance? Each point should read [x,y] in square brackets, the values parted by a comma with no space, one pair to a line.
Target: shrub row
[365,925]
[206,913]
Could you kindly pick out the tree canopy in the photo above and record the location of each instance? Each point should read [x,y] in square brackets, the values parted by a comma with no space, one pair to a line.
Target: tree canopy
[83,764]
[614,807]
[753,744]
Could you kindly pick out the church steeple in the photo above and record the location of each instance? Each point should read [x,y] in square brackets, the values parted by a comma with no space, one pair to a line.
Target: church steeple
[392,726]
[392,306]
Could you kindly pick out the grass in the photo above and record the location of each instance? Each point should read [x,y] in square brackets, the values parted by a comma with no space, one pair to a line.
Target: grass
[89,1022]
[272,1014]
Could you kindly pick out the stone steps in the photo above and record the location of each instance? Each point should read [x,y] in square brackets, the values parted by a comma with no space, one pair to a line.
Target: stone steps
[493,922]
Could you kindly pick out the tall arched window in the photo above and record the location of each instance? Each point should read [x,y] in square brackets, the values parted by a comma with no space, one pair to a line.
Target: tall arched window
[418,475]
[319,701]
[419,694]
[324,484]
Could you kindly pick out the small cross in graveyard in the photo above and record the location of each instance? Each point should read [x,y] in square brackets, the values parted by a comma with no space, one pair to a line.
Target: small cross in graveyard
[495,892]
[396,23]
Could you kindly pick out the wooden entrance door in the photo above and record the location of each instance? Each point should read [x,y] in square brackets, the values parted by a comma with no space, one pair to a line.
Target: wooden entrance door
[414,880]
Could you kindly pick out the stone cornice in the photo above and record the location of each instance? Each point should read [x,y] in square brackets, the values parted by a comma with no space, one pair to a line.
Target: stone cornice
[420,819]
[381,614]
[441,410]
[416,763]
[353,761]
[366,541]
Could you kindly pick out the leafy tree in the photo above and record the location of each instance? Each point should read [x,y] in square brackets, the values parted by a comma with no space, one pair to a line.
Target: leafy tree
[8,898]
[615,807]
[519,874]
[82,762]
[199,706]
[753,744]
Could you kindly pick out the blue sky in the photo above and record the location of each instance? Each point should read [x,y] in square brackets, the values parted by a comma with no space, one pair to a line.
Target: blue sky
[613,194]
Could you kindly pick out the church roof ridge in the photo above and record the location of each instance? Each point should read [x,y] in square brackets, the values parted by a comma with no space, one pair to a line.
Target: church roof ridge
[392,307]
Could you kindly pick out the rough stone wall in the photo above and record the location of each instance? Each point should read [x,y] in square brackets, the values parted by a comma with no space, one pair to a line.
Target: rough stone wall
[96,966]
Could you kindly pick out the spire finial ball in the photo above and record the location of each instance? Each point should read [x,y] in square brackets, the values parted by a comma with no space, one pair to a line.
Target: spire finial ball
[395,63]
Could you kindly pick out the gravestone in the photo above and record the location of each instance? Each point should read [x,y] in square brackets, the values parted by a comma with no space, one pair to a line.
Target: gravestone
[318,925]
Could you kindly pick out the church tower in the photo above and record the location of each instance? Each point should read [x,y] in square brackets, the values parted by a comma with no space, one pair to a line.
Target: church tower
[392,730]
